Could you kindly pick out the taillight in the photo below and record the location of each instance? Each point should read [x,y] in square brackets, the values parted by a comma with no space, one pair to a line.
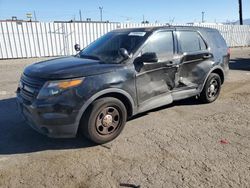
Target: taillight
[228,51]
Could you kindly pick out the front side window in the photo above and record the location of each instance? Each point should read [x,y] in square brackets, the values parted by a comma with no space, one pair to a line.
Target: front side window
[190,41]
[162,44]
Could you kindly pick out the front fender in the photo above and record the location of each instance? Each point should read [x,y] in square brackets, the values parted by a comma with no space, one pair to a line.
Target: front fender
[99,94]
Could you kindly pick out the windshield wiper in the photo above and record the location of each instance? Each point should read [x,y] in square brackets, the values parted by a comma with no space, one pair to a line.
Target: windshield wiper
[90,57]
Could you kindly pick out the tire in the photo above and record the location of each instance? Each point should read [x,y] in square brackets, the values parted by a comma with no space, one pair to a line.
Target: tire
[104,120]
[212,88]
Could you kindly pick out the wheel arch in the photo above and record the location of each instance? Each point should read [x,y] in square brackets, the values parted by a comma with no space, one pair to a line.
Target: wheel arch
[124,99]
[220,73]
[218,70]
[112,92]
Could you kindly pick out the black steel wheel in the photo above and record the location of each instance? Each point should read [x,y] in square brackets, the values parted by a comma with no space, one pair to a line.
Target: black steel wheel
[211,89]
[104,120]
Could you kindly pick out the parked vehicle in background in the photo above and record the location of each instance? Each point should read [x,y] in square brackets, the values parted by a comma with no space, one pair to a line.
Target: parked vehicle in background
[123,73]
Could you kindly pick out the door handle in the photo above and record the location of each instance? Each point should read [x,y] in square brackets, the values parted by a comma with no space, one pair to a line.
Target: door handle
[207,56]
[169,64]
[172,65]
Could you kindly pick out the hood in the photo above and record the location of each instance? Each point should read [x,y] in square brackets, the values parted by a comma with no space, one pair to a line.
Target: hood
[68,67]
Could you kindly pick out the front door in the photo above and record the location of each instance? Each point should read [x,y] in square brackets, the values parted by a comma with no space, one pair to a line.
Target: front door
[155,80]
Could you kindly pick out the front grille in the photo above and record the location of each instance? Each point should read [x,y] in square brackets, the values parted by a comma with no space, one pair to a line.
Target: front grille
[30,87]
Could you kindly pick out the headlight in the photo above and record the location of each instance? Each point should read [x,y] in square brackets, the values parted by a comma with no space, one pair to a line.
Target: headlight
[52,88]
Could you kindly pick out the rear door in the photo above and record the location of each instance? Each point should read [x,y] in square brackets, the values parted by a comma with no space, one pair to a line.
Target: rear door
[196,61]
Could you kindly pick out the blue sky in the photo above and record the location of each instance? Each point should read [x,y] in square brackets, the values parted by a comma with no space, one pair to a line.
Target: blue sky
[163,11]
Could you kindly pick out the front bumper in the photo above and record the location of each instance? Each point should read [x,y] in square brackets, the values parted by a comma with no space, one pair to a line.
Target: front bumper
[48,120]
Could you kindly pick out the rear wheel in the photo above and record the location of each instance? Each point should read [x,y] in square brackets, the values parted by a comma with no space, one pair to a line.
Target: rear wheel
[104,120]
[211,89]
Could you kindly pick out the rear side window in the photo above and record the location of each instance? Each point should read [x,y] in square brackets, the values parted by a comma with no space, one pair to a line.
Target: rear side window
[162,44]
[190,41]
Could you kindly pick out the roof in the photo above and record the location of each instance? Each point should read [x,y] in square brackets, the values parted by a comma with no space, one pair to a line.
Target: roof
[155,28]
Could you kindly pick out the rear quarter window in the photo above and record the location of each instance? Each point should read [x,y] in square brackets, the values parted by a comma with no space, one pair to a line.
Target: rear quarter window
[217,39]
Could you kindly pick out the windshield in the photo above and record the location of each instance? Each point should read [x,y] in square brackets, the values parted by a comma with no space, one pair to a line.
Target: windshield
[107,47]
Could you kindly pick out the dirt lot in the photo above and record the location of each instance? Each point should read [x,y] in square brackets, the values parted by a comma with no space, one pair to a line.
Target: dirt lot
[181,145]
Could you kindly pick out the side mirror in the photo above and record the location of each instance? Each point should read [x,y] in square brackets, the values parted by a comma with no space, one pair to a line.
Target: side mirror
[124,53]
[77,47]
[148,57]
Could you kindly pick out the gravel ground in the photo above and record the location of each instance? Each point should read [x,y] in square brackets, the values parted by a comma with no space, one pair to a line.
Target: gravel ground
[184,144]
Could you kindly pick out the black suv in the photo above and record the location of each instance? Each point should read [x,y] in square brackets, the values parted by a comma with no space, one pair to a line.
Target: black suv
[123,73]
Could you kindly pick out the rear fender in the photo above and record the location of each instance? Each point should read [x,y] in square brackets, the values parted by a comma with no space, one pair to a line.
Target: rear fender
[212,70]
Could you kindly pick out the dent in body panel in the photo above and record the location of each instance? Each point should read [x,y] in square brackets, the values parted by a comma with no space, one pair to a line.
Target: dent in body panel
[154,82]
[193,74]
[151,84]
[154,79]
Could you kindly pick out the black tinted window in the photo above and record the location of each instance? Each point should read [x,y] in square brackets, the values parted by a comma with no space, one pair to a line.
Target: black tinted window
[162,44]
[218,39]
[190,41]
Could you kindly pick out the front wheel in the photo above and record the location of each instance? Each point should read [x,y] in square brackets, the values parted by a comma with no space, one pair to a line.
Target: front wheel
[104,120]
[211,89]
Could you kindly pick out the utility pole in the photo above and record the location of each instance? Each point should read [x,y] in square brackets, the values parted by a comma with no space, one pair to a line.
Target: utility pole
[101,9]
[240,12]
[80,15]
[202,17]
[35,15]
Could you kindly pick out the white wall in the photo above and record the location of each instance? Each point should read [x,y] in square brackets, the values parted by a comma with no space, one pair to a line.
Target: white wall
[39,39]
